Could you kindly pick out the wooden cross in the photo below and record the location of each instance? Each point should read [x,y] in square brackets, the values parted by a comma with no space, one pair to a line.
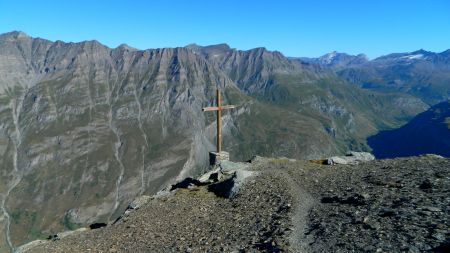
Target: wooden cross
[219,109]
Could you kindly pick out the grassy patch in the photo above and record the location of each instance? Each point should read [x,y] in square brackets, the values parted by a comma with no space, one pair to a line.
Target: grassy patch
[321,161]
[68,223]
[16,216]
[200,192]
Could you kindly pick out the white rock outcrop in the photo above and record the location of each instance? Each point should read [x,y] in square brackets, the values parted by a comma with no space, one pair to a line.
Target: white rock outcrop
[351,157]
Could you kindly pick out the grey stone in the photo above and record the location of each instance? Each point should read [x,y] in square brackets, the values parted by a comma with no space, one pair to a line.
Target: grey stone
[351,157]
[208,176]
[215,158]
[139,201]
[432,156]
[432,209]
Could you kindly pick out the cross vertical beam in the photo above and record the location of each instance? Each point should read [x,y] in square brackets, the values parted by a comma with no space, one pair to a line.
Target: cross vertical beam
[219,123]
[218,110]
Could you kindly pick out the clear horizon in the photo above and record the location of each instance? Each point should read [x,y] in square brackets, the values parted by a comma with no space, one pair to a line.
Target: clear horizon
[295,28]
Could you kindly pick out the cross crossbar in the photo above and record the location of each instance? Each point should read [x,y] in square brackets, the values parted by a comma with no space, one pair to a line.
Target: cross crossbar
[215,108]
[218,110]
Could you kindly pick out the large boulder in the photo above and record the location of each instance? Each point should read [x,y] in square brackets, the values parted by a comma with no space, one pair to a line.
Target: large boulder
[351,157]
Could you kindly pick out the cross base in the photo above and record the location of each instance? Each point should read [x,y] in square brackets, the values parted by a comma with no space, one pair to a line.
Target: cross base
[215,157]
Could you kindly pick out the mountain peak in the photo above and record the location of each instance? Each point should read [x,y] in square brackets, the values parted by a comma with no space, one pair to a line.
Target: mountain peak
[364,56]
[422,51]
[14,35]
[329,57]
[446,52]
[127,47]
[221,46]
[337,59]
[213,46]
[217,50]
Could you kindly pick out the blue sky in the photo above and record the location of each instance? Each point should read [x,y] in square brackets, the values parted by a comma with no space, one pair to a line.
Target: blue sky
[296,28]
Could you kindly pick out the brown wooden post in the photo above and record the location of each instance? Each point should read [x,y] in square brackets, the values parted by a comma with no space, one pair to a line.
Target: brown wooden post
[219,123]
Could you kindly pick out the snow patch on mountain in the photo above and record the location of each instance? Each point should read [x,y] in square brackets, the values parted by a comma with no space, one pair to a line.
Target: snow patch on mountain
[413,57]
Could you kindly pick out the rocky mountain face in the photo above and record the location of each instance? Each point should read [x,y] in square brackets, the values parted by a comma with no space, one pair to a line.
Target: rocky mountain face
[92,127]
[310,89]
[428,132]
[85,128]
[284,205]
[253,70]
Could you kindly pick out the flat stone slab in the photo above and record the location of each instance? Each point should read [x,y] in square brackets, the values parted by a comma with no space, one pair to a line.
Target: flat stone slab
[351,157]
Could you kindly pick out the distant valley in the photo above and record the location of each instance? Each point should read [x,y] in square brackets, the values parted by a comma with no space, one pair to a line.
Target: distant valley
[85,128]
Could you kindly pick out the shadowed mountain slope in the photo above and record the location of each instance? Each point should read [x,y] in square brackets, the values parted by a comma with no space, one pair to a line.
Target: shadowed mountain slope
[428,132]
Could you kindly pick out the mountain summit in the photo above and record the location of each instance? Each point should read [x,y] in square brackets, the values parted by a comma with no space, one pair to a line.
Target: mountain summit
[284,205]
[338,60]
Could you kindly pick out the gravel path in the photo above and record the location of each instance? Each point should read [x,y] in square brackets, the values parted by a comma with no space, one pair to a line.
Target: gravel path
[400,205]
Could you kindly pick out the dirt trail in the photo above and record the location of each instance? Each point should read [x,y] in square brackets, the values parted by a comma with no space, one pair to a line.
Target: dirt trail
[303,202]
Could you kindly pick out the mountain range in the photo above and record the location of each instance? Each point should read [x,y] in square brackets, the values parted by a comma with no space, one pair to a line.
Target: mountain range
[85,128]
[421,73]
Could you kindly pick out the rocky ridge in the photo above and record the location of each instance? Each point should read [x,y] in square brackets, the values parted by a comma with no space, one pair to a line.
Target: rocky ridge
[337,60]
[396,205]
